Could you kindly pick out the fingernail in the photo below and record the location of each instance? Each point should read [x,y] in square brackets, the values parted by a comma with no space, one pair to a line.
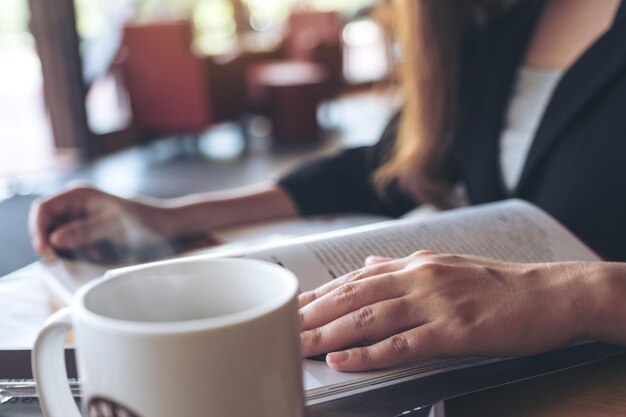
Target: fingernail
[337,357]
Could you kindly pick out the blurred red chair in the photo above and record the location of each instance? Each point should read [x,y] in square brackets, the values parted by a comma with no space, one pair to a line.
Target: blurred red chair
[167,83]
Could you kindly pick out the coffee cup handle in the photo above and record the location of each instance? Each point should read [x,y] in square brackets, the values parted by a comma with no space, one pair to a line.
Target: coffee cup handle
[48,363]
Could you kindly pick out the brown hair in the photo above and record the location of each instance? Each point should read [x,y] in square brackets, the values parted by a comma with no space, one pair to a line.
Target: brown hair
[430,34]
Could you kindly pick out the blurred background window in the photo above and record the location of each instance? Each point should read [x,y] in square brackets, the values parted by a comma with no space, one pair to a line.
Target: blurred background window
[23,121]
[219,28]
[215,21]
[346,6]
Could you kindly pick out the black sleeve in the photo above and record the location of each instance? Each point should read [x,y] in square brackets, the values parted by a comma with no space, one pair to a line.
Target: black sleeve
[342,183]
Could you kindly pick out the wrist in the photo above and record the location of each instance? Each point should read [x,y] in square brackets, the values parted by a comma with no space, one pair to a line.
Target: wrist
[563,302]
[610,314]
[158,215]
[199,213]
[205,213]
[600,301]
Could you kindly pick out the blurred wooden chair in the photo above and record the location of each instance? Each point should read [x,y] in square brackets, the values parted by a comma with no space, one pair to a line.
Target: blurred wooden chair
[167,83]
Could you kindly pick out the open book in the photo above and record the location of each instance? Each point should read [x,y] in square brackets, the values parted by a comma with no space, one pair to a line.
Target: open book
[512,230]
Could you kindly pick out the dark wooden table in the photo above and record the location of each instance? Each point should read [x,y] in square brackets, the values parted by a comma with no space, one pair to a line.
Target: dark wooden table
[597,390]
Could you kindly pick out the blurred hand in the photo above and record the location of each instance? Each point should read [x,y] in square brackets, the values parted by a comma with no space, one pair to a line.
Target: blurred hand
[429,305]
[87,223]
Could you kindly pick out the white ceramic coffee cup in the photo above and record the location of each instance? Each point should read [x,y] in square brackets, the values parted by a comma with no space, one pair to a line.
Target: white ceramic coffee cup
[182,338]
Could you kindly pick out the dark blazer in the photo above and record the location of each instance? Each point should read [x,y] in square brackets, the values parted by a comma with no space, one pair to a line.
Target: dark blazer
[576,167]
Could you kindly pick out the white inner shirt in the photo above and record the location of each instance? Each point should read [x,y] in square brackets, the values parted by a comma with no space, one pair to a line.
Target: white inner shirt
[532,93]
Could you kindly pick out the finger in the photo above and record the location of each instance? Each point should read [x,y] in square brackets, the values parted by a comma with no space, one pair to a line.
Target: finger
[372,322]
[35,228]
[46,213]
[348,298]
[422,253]
[374,259]
[305,298]
[359,274]
[415,345]
[44,217]
[85,232]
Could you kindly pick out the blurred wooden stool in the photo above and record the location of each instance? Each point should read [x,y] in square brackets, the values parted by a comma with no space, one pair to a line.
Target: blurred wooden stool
[289,93]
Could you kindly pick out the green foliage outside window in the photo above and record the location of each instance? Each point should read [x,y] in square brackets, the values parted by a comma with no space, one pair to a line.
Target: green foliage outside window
[13,16]
[213,19]
[346,6]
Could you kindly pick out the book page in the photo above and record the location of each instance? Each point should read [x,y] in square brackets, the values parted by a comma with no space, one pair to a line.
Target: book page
[512,231]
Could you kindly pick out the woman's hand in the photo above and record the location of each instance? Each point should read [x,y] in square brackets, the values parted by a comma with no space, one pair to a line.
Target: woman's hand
[88,223]
[429,306]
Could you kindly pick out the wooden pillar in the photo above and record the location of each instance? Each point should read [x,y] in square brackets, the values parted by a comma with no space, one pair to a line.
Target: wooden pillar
[53,23]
